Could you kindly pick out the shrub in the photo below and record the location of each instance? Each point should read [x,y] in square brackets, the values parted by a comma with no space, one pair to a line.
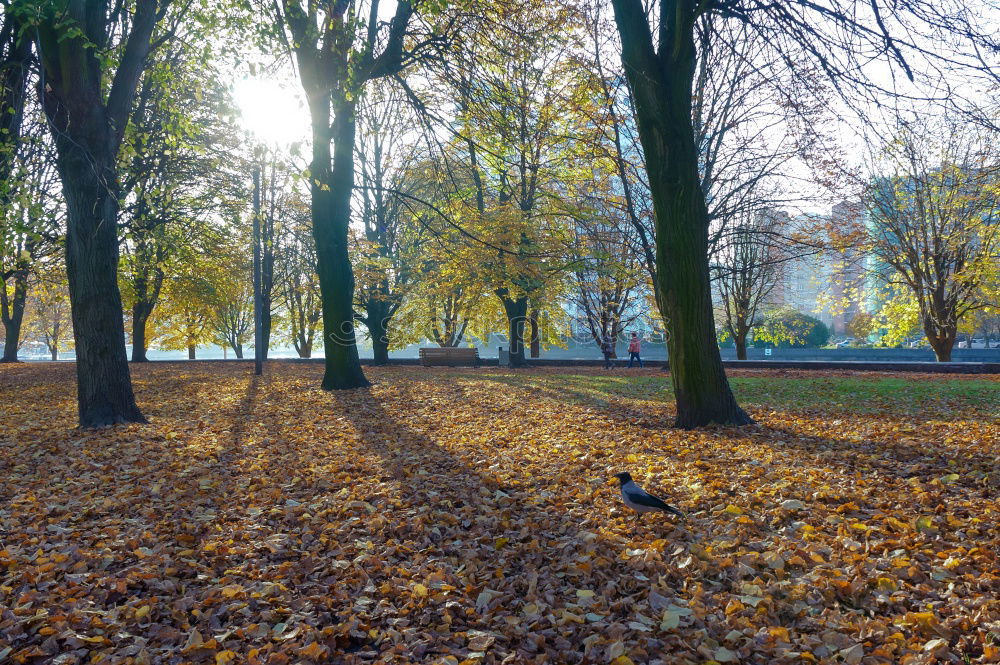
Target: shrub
[785,328]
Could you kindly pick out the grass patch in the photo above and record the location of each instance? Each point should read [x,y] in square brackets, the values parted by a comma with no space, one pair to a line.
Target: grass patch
[861,393]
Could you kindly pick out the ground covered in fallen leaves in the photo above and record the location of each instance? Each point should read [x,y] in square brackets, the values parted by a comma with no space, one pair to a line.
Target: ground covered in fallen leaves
[468,516]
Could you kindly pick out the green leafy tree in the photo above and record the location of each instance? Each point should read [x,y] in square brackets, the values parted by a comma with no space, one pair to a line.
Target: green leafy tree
[785,328]
[506,163]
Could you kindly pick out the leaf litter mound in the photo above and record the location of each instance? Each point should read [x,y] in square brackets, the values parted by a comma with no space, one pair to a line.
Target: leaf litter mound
[469,517]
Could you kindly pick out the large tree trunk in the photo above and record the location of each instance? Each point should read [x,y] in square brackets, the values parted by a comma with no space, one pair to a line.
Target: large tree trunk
[13,316]
[88,121]
[331,214]
[376,320]
[192,350]
[741,346]
[380,351]
[104,387]
[536,341]
[942,340]
[517,313]
[141,312]
[661,85]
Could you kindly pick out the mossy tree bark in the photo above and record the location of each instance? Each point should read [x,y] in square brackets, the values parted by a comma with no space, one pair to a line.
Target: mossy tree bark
[661,84]
[88,108]
[336,54]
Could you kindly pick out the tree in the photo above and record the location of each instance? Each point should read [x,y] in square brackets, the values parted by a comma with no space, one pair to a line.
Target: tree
[232,314]
[748,270]
[338,48]
[607,277]
[180,163]
[30,228]
[934,221]
[861,326]
[184,318]
[786,328]
[450,300]
[661,83]
[295,277]
[505,83]
[384,251]
[275,180]
[747,117]
[50,312]
[836,37]
[16,59]
[296,283]
[87,98]
[15,67]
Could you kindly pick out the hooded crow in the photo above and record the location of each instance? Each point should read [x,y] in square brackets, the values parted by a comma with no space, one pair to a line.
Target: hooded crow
[641,501]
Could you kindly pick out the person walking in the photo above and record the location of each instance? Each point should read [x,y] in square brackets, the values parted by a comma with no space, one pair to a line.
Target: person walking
[608,349]
[634,349]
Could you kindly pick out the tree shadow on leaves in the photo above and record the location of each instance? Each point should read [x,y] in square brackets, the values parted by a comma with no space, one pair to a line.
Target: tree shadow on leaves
[877,457]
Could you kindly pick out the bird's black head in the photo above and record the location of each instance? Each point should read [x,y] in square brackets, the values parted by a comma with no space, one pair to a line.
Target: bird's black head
[623,477]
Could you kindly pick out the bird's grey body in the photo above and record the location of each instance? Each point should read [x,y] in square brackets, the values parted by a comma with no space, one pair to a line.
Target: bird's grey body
[640,500]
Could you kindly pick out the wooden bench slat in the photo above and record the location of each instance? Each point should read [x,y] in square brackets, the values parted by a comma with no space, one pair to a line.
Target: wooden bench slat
[449,356]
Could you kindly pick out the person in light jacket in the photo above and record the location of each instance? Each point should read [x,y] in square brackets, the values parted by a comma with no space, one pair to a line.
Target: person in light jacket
[634,349]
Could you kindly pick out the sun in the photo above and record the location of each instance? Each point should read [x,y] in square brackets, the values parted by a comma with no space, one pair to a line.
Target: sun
[272,110]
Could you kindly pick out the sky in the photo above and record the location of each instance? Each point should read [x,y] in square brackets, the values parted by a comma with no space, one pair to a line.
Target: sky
[272,108]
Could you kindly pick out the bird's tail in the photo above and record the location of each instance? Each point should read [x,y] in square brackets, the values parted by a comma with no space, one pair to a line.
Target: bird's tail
[674,511]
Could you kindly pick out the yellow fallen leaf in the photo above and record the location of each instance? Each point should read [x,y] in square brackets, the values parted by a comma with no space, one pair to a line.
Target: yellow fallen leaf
[225,657]
[779,633]
[886,584]
[232,590]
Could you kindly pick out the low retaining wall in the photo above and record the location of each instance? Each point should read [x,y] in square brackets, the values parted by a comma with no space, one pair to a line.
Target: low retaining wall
[856,365]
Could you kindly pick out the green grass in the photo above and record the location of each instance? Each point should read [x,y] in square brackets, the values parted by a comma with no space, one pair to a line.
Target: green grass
[908,394]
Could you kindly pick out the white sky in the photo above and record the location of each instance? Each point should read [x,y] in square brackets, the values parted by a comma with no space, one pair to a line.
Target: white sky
[273,109]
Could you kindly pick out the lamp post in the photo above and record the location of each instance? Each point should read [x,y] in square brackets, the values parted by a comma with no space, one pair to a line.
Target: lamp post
[258,323]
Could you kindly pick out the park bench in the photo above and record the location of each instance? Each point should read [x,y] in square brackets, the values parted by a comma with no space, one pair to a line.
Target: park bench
[449,356]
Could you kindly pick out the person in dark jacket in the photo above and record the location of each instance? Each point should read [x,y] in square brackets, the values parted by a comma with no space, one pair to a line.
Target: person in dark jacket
[608,349]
